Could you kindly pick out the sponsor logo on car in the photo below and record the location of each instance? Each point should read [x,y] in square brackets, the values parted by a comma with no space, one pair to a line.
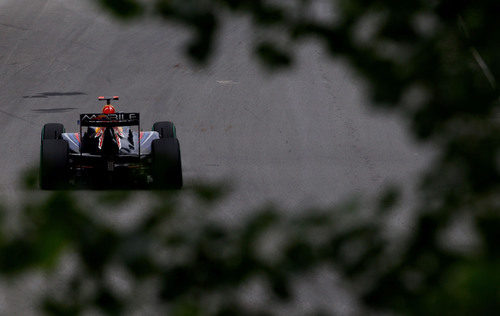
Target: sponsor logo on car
[110,117]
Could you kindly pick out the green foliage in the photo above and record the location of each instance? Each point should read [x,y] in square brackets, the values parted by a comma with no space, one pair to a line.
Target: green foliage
[469,288]
[273,56]
[212,258]
[124,9]
[194,260]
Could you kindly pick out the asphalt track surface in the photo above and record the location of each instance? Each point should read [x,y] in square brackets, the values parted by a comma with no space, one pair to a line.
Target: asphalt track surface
[303,136]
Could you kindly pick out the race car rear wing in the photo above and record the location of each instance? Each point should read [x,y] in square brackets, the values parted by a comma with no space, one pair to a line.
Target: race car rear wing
[109,120]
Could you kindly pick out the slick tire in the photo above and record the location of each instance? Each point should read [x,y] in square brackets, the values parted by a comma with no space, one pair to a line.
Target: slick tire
[54,167]
[166,167]
[52,131]
[165,129]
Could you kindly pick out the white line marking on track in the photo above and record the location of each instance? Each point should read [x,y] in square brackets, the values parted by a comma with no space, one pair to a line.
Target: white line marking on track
[227,82]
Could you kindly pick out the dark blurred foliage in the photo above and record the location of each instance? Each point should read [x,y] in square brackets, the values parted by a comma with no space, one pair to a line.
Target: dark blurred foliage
[433,62]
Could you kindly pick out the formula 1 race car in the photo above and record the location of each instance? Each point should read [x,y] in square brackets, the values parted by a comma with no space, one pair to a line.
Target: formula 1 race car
[108,151]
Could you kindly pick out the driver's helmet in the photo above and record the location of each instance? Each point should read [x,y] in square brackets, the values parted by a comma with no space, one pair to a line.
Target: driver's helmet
[117,131]
[108,109]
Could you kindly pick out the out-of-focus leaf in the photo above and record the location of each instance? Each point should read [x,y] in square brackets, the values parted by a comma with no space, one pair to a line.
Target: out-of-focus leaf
[114,198]
[124,9]
[209,193]
[30,179]
[272,56]
[388,199]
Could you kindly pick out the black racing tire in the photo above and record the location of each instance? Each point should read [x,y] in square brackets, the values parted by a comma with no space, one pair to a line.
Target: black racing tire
[54,164]
[165,129]
[166,164]
[52,131]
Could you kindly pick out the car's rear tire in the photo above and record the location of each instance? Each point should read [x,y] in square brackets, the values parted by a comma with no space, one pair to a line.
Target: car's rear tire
[165,129]
[167,166]
[54,169]
[52,131]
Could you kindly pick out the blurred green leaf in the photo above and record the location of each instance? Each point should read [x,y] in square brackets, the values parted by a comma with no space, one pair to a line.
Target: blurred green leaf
[272,56]
[123,9]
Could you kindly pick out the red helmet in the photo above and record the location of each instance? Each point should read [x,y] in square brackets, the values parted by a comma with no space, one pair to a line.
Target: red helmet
[108,109]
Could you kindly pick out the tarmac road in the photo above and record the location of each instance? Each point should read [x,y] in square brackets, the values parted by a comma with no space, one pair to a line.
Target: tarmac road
[299,137]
